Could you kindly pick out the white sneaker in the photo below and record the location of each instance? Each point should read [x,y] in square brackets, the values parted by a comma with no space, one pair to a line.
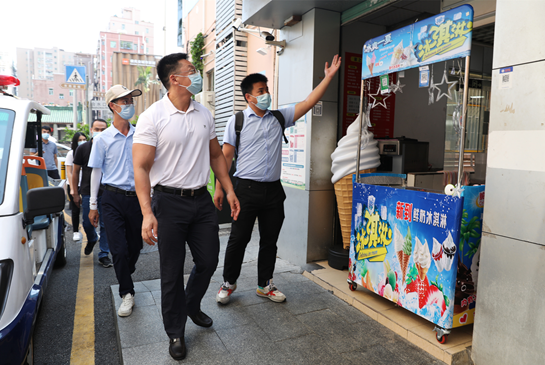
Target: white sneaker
[270,291]
[77,237]
[225,292]
[125,309]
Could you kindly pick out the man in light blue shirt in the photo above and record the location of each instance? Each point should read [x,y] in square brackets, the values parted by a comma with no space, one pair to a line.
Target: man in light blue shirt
[258,186]
[111,157]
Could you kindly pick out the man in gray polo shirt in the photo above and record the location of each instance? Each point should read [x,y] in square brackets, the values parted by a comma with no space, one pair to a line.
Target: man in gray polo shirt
[49,153]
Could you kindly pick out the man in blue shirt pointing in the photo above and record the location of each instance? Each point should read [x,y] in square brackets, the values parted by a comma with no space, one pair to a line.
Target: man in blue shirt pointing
[258,186]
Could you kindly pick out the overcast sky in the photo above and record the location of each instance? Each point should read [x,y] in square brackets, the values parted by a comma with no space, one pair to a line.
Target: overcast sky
[74,25]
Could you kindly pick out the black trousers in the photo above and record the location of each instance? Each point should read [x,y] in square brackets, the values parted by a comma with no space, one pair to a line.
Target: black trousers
[184,219]
[54,174]
[75,211]
[123,223]
[265,201]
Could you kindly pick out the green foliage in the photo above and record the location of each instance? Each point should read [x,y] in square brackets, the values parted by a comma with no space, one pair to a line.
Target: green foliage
[469,230]
[83,128]
[197,50]
[144,81]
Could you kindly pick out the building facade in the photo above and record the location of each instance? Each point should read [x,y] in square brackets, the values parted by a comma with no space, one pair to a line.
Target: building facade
[126,34]
[41,72]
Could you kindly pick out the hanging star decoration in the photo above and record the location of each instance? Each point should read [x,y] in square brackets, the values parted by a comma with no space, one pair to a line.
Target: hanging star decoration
[394,88]
[378,99]
[431,91]
[450,84]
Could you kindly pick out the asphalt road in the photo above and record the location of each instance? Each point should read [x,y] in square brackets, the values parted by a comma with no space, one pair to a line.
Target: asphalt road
[54,326]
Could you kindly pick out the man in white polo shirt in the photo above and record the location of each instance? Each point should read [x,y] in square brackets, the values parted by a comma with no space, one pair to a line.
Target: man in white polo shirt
[174,147]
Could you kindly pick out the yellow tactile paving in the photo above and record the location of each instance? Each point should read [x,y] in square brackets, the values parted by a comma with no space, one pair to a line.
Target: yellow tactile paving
[83,335]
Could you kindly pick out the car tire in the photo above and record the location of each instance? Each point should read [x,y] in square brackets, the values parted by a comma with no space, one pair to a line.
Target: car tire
[60,261]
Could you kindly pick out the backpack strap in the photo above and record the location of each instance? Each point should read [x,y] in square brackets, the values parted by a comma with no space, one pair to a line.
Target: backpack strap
[239,122]
[280,117]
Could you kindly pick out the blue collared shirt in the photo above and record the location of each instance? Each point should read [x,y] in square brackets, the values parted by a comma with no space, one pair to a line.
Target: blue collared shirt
[48,153]
[112,152]
[260,148]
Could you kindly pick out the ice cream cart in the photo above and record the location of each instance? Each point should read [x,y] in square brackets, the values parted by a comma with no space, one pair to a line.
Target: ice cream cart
[418,248]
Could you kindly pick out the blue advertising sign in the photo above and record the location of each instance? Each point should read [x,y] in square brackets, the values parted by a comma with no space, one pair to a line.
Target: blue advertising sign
[439,38]
[403,247]
[469,245]
[75,75]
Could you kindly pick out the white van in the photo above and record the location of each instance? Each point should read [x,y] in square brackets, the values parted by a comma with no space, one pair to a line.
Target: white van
[31,227]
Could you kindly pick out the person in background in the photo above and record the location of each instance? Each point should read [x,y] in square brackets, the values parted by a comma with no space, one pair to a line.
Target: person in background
[78,139]
[258,186]
[81,158]
[49,153]
[111,159]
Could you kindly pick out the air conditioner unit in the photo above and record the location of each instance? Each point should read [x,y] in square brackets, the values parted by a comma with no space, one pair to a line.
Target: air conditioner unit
[199,98]
[210,97]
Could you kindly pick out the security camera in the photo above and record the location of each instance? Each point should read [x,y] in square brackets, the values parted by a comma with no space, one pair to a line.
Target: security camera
[237,24]
[268,36]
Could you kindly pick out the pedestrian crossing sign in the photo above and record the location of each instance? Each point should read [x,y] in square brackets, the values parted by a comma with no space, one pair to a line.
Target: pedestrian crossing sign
[75,75]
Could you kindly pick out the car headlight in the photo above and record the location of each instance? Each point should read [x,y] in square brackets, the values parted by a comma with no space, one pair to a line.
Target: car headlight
[6,271]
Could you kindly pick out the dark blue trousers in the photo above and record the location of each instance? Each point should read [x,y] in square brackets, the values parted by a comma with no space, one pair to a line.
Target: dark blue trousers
[123,223]
[184,219]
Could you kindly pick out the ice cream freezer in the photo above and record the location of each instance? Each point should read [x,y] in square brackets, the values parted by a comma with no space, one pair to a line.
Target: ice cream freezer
[418,249]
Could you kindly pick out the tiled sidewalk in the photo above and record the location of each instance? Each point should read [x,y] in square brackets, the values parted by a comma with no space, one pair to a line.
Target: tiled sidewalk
[312,327]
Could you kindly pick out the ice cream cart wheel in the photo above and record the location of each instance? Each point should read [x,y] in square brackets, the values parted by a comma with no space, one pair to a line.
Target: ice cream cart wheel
[353,286]
[442,339]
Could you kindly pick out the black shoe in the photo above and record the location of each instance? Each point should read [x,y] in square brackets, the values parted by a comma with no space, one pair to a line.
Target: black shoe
[201,319]
[177,348]
[89,247]
[105,261]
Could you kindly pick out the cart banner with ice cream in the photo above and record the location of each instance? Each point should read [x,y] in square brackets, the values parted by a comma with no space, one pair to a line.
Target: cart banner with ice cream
[419,249]
[439,38]
[403,248]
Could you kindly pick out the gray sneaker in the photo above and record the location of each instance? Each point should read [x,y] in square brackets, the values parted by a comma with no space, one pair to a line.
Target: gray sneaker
[105,261]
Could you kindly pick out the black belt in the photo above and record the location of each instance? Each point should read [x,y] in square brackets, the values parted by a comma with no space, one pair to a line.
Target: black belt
[181,192]
[120,191]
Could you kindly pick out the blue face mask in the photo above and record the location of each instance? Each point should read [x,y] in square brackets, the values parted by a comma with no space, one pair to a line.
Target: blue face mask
[127,111]
[196,83]
[81,142]
[263,101]
[95,134]
[45,136]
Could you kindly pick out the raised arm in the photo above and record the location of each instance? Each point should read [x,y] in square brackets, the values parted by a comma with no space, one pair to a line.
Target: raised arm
[142,158]
[303,107]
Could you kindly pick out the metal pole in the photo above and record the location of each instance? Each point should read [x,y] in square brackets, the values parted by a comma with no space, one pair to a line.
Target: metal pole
[463,129]
[88,102]
[361,127]
[75,109]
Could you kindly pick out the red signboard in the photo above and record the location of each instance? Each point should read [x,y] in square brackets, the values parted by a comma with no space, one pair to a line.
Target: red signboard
[382,119]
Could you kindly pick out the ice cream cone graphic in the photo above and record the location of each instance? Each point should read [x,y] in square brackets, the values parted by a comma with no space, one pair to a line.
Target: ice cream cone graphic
[449,250]
[422,258]
[405,254]
[437,255]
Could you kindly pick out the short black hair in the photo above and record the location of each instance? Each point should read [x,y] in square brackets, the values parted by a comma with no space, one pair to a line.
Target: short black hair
[75,140]
[168,65]
[47,128]
[99,120]
[247,84]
